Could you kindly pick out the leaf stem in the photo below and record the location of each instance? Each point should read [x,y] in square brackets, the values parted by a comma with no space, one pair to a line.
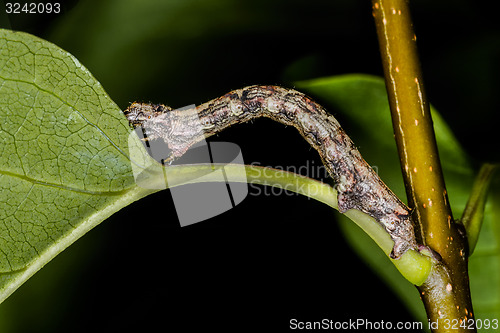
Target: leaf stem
[472,217]
[414,266]
[424,182]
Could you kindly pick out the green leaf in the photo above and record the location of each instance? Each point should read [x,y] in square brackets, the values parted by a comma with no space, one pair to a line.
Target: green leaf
[64,159]
[361,103]
[64,163]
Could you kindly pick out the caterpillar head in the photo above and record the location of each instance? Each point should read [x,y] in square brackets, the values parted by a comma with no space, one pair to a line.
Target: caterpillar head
[138,113]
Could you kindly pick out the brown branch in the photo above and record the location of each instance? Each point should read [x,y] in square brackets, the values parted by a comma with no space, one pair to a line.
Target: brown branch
[446,294]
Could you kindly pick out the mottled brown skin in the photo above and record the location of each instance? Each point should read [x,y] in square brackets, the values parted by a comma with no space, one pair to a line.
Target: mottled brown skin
[358,186]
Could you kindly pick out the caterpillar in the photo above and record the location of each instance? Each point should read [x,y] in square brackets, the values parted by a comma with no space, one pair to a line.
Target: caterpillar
[358,185]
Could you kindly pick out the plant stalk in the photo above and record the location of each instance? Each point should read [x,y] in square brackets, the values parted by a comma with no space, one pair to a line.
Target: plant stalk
[446,294]
[472,217]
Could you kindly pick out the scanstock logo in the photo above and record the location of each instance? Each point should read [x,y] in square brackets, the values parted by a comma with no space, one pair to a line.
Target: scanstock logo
[206,195]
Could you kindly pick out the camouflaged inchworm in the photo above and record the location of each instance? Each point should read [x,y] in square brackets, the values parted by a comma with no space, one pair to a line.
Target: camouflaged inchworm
[358,185]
